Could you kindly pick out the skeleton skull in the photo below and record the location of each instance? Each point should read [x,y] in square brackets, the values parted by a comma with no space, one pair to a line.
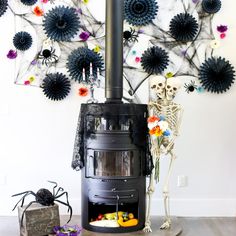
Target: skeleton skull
[157,85]
[172,86]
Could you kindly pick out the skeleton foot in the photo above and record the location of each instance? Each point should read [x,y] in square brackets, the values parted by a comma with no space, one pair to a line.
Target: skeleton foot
[147,228]
[166,224]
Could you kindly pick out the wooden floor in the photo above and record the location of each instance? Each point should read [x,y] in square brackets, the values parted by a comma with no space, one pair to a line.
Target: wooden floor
[181,226]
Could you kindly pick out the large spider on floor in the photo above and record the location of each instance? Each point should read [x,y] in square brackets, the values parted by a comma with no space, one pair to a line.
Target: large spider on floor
[130,36]
[48,56]
[45,198]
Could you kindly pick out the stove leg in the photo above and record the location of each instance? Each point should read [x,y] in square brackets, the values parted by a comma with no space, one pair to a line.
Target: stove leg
[167,222]
[151,190]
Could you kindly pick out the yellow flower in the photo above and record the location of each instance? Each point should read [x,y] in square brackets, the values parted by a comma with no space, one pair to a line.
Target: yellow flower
[31,78]
[169,75]
[97,49]
[158,132]
[85,1]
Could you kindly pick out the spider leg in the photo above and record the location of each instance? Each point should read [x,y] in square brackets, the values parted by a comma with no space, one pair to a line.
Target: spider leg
[26,193]
[59,189]
[65,193]
[52,182]
[22,217]
[69,207]
[55,57]
[52,50]
[22,203]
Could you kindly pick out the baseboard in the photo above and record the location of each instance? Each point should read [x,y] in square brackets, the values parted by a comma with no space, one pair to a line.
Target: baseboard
[179,207]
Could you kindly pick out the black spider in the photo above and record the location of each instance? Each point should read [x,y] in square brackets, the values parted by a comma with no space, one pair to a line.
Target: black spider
[191,87]
[45,198]
[130,36]
[48,56]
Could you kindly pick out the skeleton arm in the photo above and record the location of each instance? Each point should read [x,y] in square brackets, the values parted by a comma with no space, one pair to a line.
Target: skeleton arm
[178,109]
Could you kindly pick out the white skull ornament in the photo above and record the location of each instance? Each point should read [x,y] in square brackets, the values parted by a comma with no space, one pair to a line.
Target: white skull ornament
[172,86]
[157,85]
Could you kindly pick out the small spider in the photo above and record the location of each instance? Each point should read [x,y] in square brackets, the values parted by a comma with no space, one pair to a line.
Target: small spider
[45,198]
[130,36]
[191,87]
[48,56]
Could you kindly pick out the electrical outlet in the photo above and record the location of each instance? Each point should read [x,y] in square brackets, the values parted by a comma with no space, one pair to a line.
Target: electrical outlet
[182,181]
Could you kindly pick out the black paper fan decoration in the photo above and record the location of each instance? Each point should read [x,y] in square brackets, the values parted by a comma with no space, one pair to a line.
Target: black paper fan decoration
[211,6]
[22,41]
[216,75]
[28,2]
[3,6]
[61,23]
[183,27]
[56,86]
[80,60]
[154,60]
[140,12]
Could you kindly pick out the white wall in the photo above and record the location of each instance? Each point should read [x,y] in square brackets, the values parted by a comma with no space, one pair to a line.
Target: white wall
[37,137]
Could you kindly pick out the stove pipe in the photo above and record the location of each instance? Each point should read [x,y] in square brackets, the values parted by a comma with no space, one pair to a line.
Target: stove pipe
[114,51]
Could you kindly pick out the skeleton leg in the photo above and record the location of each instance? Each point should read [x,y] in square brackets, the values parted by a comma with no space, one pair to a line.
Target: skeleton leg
[167,222]
[151,189]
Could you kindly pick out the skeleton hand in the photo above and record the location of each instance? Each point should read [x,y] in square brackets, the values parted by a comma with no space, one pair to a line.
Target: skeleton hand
[151,189]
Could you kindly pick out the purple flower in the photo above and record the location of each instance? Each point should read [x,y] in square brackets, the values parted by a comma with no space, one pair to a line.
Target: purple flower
[79,10]
[67,230]
[140,31]
[195,1]
[222,28]
[12,54]
[34,62]
[84,36]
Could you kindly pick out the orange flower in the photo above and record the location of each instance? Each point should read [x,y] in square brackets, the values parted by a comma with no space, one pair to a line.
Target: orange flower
[156,131]
[38,11]
[153,130]
[83,91]
[153,119]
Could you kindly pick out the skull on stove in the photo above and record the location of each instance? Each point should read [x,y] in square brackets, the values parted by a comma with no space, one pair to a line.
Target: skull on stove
[157,85]
[172,86]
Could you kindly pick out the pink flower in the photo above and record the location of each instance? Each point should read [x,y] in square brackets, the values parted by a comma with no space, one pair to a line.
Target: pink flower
[137,59]
[222,36]
[27,82]
[44,1]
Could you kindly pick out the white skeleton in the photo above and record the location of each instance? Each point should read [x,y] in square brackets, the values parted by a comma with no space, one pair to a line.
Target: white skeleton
[165,91]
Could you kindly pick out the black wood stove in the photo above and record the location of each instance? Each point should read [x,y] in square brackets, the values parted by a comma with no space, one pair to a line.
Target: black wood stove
[111,146]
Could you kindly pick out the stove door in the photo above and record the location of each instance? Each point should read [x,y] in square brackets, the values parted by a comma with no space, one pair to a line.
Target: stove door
[107,164]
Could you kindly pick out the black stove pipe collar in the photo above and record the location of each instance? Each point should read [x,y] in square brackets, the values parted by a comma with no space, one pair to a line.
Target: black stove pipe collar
[114,51]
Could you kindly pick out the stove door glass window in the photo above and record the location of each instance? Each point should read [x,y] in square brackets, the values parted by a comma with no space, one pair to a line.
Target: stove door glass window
[115,163]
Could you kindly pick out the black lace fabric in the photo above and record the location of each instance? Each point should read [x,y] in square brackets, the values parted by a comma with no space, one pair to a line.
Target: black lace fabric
[116,116]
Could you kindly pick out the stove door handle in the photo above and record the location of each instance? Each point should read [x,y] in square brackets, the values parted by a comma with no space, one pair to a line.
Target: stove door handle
[114,197]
